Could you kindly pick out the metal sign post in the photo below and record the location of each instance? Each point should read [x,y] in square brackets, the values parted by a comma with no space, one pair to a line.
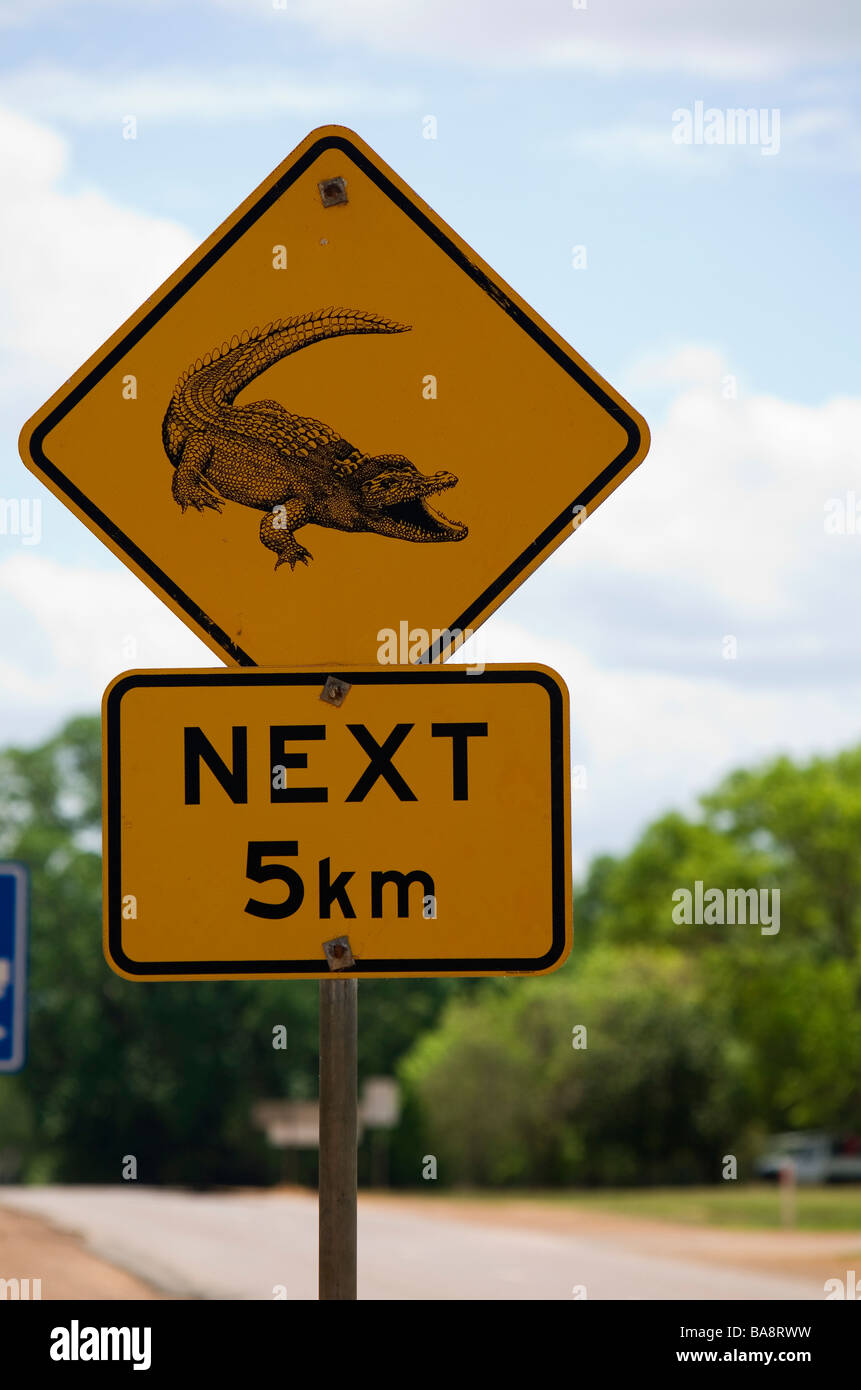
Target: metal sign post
[338,1134]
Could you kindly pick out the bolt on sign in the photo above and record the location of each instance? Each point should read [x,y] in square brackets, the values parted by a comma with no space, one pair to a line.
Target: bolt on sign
[333,414]
[254,829]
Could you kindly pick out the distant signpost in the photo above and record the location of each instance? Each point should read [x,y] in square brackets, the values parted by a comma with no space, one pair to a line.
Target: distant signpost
[289,1124]
[380,1105]
[13,966]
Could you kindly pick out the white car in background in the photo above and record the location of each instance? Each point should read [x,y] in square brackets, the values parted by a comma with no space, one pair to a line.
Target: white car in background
[814,1155]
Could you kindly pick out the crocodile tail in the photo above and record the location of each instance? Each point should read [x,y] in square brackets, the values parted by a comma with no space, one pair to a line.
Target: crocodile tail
[245,358]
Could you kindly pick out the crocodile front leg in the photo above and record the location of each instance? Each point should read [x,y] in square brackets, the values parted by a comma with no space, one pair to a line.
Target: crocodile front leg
[276,533]
[190,487]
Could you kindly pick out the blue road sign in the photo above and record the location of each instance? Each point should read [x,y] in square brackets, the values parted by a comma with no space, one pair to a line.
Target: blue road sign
[13,966]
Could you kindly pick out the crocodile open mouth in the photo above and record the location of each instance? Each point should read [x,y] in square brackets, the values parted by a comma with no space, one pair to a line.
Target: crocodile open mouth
[424,522]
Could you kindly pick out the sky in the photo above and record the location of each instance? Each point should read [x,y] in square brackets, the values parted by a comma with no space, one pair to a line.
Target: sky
[705,617]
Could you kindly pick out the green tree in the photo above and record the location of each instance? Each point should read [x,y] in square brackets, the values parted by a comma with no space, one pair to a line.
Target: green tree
[654,1093]
[702,1037]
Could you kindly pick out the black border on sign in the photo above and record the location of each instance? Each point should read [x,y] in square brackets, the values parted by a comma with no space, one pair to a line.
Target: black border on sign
[475,273]
[434,675]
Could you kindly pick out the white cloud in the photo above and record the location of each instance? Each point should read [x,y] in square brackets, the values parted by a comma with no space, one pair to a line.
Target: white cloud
[635,142]
[19,14]
[73,265]
[737,38]
[826,139]
[225,94]
[652,741]
[84,627]
[689,364]
[819,138]
[731,500]
[720,533]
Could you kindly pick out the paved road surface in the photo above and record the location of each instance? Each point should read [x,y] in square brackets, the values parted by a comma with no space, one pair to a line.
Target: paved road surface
[242,1245]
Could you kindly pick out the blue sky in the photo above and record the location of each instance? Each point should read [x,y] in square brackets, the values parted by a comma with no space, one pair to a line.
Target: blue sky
[706,264]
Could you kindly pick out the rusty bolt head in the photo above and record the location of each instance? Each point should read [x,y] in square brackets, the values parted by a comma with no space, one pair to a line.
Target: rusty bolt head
[335,691]
[332,192]
[339,953]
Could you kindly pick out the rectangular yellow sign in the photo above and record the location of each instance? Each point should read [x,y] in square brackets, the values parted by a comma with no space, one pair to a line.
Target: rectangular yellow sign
[254,830]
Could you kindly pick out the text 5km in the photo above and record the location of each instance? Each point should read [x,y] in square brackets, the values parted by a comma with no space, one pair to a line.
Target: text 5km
[330,890]
[232,777]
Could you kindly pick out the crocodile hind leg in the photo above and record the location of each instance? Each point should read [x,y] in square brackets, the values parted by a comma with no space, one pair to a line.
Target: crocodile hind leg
[276,533]
[190,487]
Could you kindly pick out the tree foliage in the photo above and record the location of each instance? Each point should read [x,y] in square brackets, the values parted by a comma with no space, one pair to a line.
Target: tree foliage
[701,1037]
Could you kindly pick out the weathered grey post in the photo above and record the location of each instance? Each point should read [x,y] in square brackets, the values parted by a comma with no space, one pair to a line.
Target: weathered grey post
[338,1136]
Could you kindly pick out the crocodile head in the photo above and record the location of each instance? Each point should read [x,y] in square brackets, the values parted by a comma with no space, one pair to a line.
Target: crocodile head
[394,500]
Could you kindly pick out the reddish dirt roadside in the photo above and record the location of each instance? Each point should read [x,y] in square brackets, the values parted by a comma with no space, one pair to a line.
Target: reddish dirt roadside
[32,1249]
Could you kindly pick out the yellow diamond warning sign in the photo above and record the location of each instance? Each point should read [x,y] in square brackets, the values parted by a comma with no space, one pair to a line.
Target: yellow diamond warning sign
[332,418]
[414,822]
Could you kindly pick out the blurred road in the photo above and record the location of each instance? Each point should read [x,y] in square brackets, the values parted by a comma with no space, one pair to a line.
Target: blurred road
[246,1244]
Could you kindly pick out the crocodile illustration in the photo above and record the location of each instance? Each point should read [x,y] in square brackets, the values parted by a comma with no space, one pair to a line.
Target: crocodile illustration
[294,469]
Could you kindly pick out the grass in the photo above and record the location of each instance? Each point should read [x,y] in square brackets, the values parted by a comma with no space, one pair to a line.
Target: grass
[749,1207]
[732,1205]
